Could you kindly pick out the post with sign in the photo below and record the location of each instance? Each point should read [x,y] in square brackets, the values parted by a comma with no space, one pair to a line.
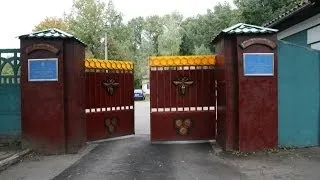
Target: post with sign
[247,88]
[52,91]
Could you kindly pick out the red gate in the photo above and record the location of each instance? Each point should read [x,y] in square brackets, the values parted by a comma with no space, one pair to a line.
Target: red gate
[182,98]
[109,99]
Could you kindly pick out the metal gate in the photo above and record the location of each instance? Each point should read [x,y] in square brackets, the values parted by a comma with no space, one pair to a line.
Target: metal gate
[182,98]
[109,99]
[10,105]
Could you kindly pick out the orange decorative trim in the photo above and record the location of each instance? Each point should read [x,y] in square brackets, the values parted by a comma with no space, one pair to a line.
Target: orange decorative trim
[158,61]
[108,64]
[46,47]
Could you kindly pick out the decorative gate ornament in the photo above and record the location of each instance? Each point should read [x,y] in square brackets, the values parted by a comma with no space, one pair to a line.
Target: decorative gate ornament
[111,85]
[183,126]
[111,125]
[182,84]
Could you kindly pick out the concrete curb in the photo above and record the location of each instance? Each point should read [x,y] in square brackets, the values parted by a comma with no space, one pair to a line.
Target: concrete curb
[110,139]
[4,164]
[183,142]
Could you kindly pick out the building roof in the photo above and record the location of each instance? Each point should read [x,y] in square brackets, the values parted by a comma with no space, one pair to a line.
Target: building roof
[243,28]
[50,34]
[301,11]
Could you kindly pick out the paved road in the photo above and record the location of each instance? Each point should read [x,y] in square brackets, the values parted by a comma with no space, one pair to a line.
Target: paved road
[136,158]
[142,117]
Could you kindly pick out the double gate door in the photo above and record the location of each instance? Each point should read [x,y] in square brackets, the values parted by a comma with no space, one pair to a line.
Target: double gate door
[183,98]
[109,99]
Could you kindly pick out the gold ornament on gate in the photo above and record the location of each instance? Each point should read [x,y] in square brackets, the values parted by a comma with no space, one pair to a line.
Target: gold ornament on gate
[183,126]
[111,86]
[183,84]
[111,125]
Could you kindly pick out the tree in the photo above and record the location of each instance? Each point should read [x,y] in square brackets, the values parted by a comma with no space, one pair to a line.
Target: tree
[51,22]
[141,59]
[86,21]
[153,29]
[202,50]
[258,12]
[119,36]
[136,25]
[200,30]
[171,38]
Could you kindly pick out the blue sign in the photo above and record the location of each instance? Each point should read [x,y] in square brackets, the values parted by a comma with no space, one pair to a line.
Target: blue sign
[43,69]
[258,64]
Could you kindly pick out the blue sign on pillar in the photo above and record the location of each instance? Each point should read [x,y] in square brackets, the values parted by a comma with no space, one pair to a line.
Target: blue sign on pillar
[43,69]
[258,64]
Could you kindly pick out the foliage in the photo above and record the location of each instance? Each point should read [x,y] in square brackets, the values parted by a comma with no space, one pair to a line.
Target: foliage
[201,29]
[51,22]
[118,34]
[202,50]
[7,70]
[86,21]
[171,38]
[261,11]
[171,34]
[152,30]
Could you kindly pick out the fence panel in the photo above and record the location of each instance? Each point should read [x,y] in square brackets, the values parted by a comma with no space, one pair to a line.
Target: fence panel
[299,95]
[10,111]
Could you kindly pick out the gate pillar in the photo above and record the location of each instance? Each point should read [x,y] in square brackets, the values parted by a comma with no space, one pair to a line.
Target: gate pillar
[52,92]
[246,74]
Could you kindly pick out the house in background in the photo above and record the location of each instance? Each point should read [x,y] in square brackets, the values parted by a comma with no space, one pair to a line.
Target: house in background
[146,84]
[300,25]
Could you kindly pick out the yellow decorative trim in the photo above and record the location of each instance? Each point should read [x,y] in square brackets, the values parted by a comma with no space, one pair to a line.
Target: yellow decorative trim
[108,64]
[183,60]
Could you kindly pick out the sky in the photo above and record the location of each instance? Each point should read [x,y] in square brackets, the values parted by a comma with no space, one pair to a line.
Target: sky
[18,17]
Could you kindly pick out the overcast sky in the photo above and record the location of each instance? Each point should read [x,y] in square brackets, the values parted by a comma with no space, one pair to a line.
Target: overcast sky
[20,16]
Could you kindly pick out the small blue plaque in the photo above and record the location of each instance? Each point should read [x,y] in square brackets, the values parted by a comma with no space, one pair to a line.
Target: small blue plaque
[258,64]
[43,69]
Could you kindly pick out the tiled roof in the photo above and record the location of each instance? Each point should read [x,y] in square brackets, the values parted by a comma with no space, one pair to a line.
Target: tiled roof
[243,28]
[50,34]
[298,6]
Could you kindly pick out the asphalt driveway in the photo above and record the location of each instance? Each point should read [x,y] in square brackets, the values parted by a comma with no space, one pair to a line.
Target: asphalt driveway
[136,158]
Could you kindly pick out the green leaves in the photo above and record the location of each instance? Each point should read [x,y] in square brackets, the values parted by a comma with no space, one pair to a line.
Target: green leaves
[51,22]
[258,12]
[86,21]
[171,37]
[171,34]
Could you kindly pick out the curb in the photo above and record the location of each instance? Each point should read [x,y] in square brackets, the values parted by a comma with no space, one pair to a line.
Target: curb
[110,139]
[4,164]
[183,142]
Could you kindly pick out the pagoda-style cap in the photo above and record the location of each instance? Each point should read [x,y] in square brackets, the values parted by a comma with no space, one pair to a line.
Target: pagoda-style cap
[50,34]
[243,29]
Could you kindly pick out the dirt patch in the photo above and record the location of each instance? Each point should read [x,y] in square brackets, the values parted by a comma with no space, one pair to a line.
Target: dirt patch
[282,163]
